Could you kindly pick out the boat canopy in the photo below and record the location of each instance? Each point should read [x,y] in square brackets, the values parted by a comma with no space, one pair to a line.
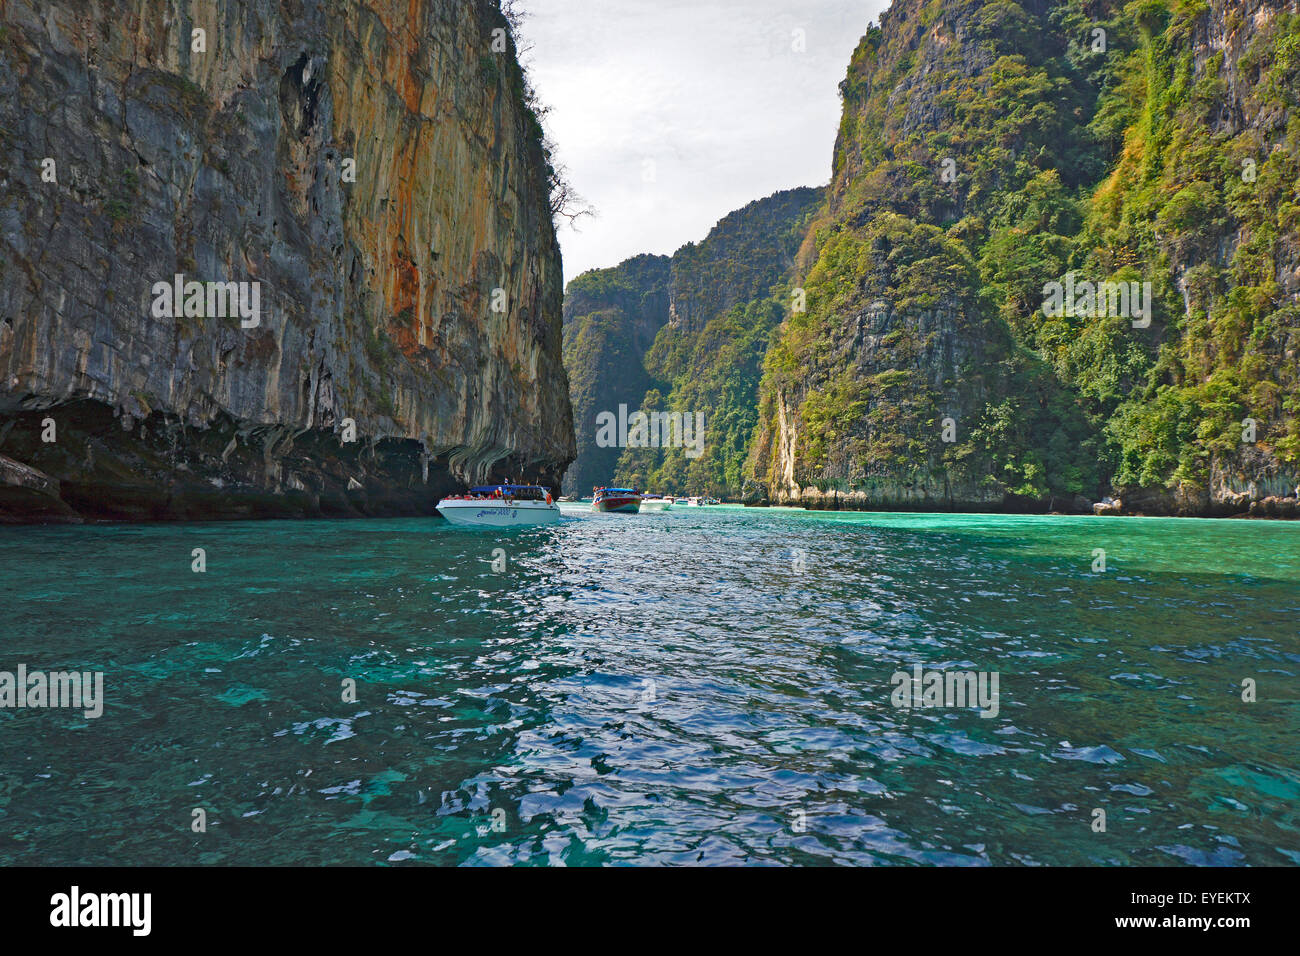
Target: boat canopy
[617,491]
[515,491]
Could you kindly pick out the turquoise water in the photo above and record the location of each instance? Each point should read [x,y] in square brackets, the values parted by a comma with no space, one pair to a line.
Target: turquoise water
[663,689]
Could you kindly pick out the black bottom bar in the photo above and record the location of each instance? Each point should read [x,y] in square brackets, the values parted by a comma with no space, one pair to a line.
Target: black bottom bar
[338,906]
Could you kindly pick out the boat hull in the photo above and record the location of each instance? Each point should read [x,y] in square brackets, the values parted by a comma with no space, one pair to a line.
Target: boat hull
[657,505]
[487,514]
[617,505]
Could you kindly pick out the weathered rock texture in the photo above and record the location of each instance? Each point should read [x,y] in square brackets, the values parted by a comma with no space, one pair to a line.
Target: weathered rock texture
[1228,234]
[989,147]
[231,165]
[901,387]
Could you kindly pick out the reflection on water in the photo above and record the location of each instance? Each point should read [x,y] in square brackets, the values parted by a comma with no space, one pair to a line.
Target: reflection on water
[666,688]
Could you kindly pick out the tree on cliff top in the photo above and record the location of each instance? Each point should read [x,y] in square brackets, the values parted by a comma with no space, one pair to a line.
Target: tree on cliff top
[565,201]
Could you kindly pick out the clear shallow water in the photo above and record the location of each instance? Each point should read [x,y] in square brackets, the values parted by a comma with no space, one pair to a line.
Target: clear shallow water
[524,691]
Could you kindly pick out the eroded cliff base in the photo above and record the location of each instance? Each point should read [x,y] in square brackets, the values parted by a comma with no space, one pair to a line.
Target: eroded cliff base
[107,466]
[360,193]
[1134,503]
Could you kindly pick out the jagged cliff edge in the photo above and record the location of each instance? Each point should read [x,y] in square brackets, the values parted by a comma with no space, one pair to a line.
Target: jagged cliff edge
[372,166]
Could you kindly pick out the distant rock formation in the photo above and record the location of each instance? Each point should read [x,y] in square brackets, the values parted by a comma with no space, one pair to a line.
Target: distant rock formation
[686,333]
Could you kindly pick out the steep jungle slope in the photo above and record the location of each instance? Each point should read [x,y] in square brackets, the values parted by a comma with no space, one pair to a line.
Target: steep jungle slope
[903,385]
[708,312]
[729,294]
[990,148]
[1205,202]
[611,318]
[374,166]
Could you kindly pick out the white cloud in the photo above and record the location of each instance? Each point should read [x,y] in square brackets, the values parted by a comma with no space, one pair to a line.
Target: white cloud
[711,94]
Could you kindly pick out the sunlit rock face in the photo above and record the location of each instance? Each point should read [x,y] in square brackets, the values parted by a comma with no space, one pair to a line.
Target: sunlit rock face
[369,171]
[880,395]
[928,372]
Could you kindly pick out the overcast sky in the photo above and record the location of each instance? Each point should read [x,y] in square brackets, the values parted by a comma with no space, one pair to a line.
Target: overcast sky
[671,113]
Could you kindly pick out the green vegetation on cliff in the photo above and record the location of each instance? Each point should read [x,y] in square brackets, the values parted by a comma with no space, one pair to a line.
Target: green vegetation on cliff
[715,371]
[990,148]
[611,317]
[687,335]
[949,155]
[1205,202]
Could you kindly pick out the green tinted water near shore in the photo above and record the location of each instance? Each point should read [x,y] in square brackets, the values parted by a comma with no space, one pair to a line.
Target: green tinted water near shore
[666,688]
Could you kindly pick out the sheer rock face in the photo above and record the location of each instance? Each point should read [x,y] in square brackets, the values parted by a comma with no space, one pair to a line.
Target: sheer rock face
[1244,479]
[915,67]
[902,354]
[940,345]
[369,164]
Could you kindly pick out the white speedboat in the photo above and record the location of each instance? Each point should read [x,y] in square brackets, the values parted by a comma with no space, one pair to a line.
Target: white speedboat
[692,502]
[501,506]
[655,503]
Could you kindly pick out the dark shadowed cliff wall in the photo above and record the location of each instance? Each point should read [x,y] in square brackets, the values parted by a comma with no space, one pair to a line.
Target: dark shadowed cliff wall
[611,318]
[372,164]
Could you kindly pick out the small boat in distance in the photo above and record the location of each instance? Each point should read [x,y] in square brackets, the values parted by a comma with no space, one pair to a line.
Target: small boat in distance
[501,506]
[655,503]
[617,500]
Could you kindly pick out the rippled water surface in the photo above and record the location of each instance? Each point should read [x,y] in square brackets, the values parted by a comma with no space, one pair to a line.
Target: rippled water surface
[662,688]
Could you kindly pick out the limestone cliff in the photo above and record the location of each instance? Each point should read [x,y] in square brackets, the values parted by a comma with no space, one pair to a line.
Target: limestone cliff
[1206,195]
[611,318]
[901,386]
[685,334]
[372,165]
[991,148]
